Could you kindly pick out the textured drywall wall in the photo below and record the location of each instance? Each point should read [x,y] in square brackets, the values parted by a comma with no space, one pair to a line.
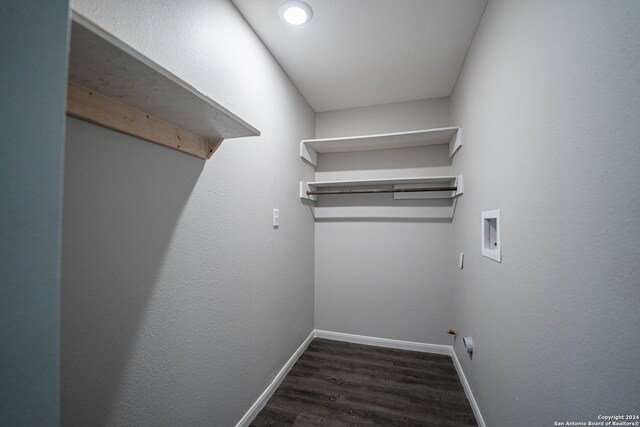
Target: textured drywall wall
[385,277]
[548,99]
[33,46]
[180,301]
[395,117]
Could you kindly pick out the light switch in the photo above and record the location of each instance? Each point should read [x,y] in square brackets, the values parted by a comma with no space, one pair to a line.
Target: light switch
[276,218]
[461,261]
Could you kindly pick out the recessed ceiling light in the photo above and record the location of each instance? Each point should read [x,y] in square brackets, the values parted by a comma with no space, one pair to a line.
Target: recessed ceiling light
[295,12]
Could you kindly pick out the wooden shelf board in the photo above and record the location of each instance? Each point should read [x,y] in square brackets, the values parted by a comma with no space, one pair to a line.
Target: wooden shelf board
[104,64]
[430,181]
[383,181]
[310,148]
[91,106]
[383,141]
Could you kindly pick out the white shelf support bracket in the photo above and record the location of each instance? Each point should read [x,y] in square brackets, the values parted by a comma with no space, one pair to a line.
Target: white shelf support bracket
[455,143]
[459,186]
[304,187]
[308,154]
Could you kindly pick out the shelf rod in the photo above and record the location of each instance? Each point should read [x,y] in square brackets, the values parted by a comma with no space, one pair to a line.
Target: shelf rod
[379,190]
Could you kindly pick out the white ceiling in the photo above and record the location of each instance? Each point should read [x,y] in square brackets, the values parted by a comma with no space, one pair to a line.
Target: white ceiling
[365,52]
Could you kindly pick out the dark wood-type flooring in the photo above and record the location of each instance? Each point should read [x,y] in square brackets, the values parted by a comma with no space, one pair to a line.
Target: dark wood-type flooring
[343,384]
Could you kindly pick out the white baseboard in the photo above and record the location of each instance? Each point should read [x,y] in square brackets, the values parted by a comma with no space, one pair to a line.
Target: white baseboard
[467,389]
[272,387]
[361,339]
[384,342]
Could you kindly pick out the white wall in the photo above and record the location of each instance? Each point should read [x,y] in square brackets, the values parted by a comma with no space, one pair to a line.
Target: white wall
[180,301]
[33,46]
[548,100]
[384,118]
[385,277]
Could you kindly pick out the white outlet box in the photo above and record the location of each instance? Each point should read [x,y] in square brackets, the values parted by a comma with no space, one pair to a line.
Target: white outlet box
[491,235]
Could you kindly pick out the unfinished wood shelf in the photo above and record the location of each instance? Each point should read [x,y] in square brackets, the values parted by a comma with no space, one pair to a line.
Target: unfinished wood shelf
[113,85]
[310,148]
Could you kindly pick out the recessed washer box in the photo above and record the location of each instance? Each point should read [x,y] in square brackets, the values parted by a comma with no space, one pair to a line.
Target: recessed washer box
[491,235]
